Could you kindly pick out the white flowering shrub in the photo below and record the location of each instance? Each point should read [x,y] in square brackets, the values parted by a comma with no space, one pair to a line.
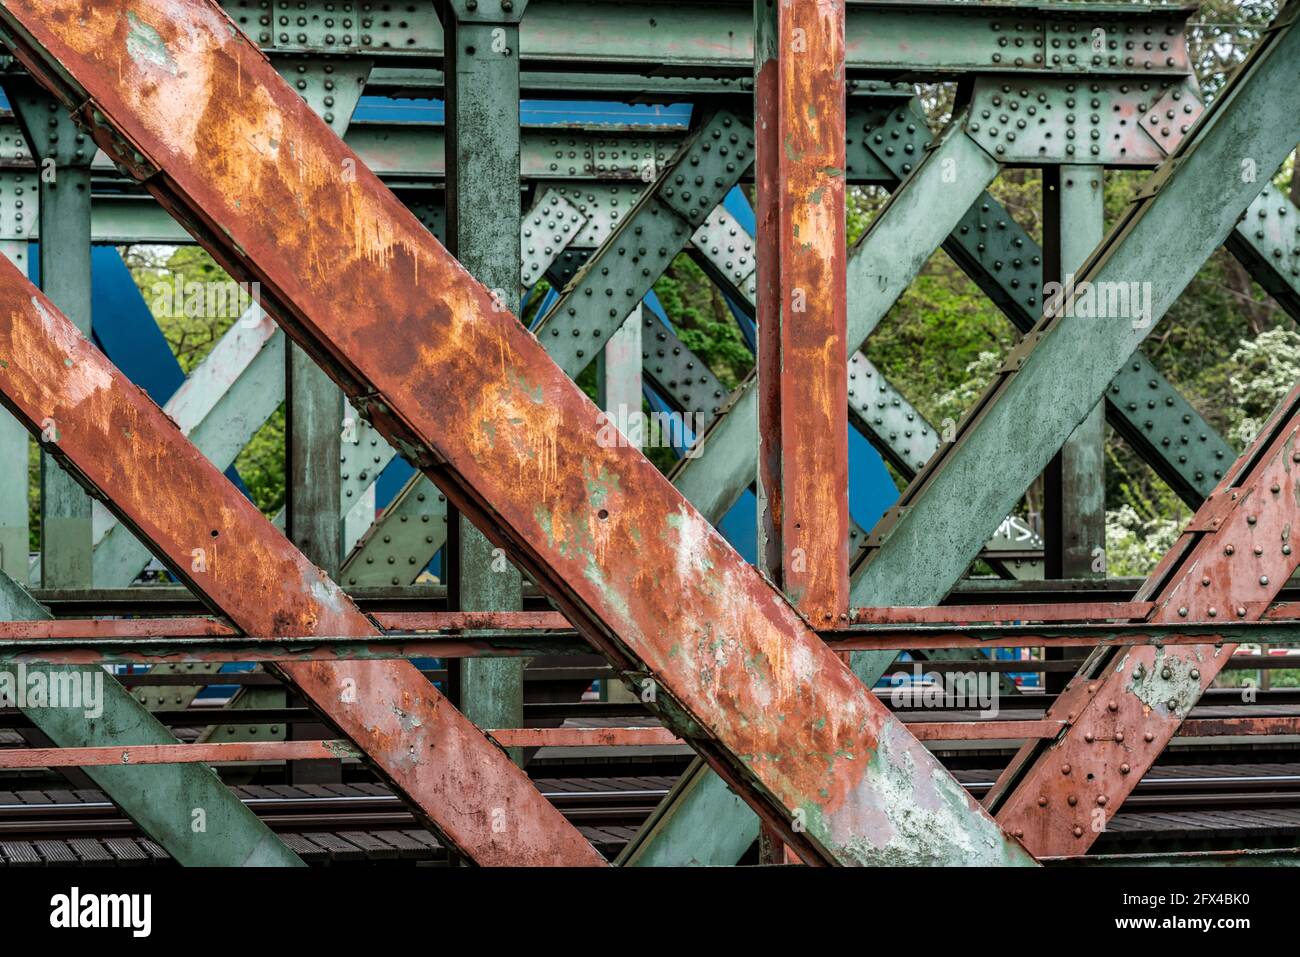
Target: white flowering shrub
[1268,366]
[979,372]
[1135,545]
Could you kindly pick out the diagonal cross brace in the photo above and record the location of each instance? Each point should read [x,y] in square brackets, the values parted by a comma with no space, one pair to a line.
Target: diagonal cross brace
[122,448]
[1187,210]
[466,392]
[1124,706]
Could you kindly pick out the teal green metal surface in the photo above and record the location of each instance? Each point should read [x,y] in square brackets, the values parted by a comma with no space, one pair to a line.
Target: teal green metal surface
[14,442]
[184,807]
[927,39]
[1188,208]
[1268,244]
[700,822]
[63,153]
[613,281]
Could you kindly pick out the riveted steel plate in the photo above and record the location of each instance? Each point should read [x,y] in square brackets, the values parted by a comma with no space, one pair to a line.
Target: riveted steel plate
[1096,121]
[550,226]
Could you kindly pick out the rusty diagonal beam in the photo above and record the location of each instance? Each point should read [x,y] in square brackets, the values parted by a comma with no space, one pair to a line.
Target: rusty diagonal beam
[463,390]
[1124,705]
[107,433]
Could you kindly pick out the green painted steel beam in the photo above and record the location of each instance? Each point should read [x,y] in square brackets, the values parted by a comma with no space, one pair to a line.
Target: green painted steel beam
[933,39]
[1074,483]
[1183,213]
[184,807]
[722,826]
[14,444]
[1267,242]
[63,154]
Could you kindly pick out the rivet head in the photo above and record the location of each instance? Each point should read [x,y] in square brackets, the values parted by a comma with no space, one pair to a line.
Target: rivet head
[1124,769]
[1078,831]
[1072,800]
[1065,769]
[1112,706]
[1119,737]
[1088,737]
[1042,801]
[1148,737]
[1172,704]
[1195,674]
[1166,673]
[1101,800]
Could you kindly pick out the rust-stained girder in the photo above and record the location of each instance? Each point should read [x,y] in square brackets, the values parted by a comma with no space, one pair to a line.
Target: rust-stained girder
[122,448]
[464,391]
[803,459]
[1124,705]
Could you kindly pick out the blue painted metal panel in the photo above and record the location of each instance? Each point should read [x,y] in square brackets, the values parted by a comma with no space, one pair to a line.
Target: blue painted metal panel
[532,112]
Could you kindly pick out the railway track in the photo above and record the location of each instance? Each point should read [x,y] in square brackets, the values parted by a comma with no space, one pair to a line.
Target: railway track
[1222,806]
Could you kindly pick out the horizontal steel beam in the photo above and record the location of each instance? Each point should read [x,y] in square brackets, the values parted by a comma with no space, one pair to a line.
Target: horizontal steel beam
[930,39]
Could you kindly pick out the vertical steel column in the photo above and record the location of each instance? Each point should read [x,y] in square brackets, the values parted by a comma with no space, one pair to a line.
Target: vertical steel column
[618,378]
[481,65]
[802,352]
[1075,481]
[63,153]
[314,403]
[14,439]
[618,371]
[313,445]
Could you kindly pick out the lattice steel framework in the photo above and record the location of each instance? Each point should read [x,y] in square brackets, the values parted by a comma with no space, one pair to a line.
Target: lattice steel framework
[234,122]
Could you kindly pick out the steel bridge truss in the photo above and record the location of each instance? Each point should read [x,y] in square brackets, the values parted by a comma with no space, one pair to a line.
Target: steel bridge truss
[239,128]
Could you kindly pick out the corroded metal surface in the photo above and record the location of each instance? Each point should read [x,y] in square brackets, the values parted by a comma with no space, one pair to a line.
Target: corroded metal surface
[462,389]
[802,350]
[971,614]
[1125,705]
[119,444]
[127,754]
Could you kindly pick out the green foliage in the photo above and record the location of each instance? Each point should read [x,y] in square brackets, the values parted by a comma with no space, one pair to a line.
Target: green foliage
[192,332]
